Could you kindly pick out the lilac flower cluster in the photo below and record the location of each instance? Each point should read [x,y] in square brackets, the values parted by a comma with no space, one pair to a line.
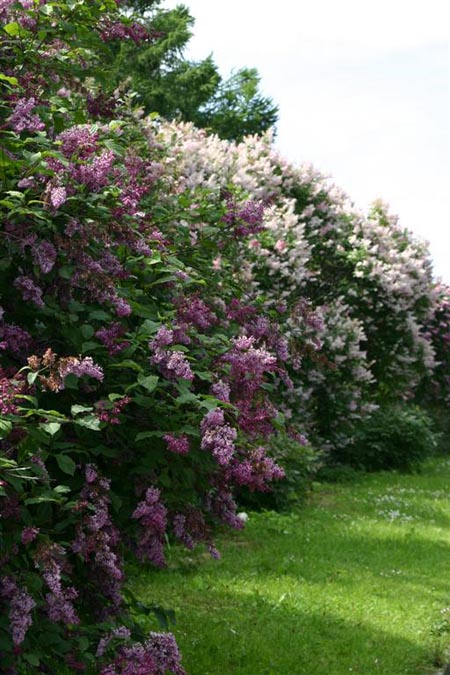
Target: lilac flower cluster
[177,444]
[44,255]
[257,470]
[172,363]
[223,507]
[190,527]
[51,559]
[79,367]
[122,632]
[10,390]
[29,290]
[218,437]
[14,339]
[246,219]
[117,30]
[95,174]
[97,539]
[158,655]
[193,310]
[20,606]
[80,141]
[152,517]
[109,411]
[28,535]
[110,336]
[23,119]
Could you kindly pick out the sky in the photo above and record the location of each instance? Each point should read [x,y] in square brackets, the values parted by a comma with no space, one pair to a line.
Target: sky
[363,94]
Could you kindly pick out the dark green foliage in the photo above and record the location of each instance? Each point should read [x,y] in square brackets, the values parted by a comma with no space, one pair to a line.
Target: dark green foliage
[394,437]
[176,88]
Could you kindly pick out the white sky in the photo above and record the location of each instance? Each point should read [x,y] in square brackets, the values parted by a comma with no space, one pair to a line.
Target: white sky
[363,93]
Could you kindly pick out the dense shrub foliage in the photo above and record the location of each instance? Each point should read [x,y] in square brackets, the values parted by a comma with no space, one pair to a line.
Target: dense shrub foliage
[178,313]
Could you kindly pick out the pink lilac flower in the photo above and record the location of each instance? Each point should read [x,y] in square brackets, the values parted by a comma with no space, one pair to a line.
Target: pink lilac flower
[152,517]
[23,119]
[218,437]
[29,290]
[177,444]
[20,606]
[109,412]
[44,255]
[163,338]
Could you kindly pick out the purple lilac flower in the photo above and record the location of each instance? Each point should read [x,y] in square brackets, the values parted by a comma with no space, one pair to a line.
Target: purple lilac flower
[221,390]
[222,505]
[23,119]
[163,338]
[80,140]
[20,606]
[172,364]
[96,540]
[218,437]
[58,196]
[79,367]
[44,255]
[121,632]
[257,470]
[177,444]
[194,311]
[152,517]
[29,534]
[59,607]
[110,336]
[29,290]
[95,174]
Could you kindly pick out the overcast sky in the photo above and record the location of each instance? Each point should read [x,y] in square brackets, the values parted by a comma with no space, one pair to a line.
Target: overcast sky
[363,93]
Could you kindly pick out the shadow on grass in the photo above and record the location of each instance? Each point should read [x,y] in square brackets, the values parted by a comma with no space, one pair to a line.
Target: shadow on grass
[234,634]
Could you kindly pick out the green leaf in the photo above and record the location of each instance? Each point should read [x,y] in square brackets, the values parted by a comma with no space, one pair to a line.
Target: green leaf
[89,422]
[77,409]
[50,427]
[66,464]
[31,658]
[5,428]
[31,377]
[149,383]
[10,80]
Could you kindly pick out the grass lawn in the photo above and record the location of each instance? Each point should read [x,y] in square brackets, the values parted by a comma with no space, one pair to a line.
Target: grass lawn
[355,582]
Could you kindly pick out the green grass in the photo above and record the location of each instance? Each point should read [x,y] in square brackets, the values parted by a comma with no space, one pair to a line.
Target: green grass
[355,582]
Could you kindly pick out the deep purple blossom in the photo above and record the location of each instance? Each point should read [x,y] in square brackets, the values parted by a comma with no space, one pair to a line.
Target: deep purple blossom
[20,606]
[152,517]
[177,444]
[29,290]
[110,336]
[44,255]
[29,534]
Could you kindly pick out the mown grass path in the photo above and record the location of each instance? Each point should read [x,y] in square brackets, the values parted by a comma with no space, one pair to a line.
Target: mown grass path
[358,581]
